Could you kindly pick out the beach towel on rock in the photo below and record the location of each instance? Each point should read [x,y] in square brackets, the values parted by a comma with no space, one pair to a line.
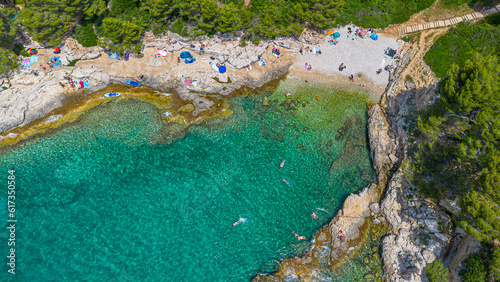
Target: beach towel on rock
[34,59]
[81,84]
[86,84]
[27,63]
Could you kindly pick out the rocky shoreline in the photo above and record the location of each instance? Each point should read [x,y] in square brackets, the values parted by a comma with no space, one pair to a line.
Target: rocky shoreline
[26,97]
[418,230]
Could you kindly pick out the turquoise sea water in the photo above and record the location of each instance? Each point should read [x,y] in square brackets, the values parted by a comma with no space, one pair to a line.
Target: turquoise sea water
[98,201]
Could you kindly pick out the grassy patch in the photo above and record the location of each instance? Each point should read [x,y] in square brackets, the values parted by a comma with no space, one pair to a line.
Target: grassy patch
[458,46]
[72,63]
[412,37]
[380,13]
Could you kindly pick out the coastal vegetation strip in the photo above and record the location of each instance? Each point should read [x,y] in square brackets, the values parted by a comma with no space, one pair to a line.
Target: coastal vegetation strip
[120,24]
[454,151]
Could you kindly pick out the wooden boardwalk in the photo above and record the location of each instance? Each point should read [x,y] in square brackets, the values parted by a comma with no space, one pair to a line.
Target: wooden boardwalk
[469,17]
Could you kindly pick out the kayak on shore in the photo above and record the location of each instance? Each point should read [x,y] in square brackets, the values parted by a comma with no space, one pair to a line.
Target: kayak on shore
[112,94]
[133,83]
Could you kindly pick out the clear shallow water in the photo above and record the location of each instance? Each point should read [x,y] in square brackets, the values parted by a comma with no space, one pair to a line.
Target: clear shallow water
[96,200]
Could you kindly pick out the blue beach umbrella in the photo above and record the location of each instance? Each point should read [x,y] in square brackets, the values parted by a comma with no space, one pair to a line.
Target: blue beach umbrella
[222,69]
[185,55]
[374,36]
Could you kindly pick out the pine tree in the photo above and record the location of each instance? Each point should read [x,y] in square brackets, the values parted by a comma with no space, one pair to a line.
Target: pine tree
[45,25]
[208,10]
[8,28]
[436,272]
[158,9]
[119,31]
[228,20]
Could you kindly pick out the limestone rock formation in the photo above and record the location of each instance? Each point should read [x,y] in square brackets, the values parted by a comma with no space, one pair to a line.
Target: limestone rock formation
[415,238]
[229,52]
[350,218]
[381,144]
[72,50]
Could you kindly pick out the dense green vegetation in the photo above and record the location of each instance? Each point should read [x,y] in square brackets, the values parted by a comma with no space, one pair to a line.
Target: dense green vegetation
[483,266]
[436,272]
[460,44]
[8,27]
[123,22]
[380,14]
[461,149]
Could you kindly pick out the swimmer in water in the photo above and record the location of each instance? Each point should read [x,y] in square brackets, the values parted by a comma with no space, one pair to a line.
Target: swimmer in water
[284,180]
[282,163]
[239,221]
[143,111]
[313,214]
[288,94]
[299,237]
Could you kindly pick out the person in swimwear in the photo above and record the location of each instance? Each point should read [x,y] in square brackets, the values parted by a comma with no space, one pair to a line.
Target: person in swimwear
[299,237]
[313,214]
[239,221]
[340,236]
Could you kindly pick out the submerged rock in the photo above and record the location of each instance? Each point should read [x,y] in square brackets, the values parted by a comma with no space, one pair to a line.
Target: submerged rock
[265,101]
[187,108]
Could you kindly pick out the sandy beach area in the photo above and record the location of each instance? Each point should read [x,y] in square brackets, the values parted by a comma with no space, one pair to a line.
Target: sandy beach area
[362,58]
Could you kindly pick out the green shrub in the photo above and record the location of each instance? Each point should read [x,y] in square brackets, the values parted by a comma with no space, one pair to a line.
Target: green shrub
[72,63]
[85,35]
[495,263]
[177,27]
[436,272]
[474,270]
[493,19]
[19,50]
[8,60]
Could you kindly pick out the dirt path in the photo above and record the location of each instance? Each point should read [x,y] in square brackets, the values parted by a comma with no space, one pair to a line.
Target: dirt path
[417,70]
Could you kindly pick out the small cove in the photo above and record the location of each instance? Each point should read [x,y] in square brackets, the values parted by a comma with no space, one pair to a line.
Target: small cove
[98,197]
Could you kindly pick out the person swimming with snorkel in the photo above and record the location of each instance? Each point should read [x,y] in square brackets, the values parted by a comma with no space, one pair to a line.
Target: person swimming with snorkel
[241,220]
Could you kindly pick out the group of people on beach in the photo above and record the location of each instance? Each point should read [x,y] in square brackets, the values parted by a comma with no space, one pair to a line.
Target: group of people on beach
[308,50]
